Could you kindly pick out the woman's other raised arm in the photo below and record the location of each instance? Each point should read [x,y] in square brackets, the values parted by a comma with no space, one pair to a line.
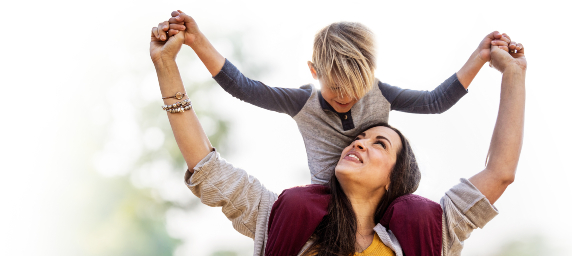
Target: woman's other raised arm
[506,142]
[191,139]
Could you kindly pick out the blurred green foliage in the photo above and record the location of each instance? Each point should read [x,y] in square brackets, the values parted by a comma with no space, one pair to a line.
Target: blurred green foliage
[127,221]
[526,245]
[224,253]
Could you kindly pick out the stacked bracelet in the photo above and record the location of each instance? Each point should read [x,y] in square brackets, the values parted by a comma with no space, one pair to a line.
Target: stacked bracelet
[178,107]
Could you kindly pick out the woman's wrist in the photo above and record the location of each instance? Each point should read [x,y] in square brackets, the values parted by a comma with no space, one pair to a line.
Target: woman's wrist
[164,61]
[169,79]
[513,69]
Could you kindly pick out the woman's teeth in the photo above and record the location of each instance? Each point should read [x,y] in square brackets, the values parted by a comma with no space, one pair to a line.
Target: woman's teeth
[353,156]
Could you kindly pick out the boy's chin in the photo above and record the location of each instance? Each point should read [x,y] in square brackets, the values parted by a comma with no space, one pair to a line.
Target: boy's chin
[343,108]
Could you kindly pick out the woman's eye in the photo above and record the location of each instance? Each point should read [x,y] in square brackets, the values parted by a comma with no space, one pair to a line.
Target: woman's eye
[380,143]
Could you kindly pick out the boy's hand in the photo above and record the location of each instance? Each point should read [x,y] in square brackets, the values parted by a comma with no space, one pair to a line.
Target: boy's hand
[189,26]
[493,39]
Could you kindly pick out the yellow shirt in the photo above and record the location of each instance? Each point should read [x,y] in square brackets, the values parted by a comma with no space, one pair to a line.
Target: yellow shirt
[376,248]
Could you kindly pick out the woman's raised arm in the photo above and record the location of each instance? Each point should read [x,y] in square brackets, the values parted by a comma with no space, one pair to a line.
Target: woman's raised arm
[191,139]
[506,142]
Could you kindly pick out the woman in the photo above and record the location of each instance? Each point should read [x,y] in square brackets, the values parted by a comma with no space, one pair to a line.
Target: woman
[368,171]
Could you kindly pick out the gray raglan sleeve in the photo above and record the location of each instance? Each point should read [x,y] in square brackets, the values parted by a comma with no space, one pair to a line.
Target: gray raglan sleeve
[436,101]
[282,100]
[219,184]
[465,209]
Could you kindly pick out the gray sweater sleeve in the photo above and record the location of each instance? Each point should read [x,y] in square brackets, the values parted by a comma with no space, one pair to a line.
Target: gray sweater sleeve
[244,200]
[282,100]
[436,101]
[465,209]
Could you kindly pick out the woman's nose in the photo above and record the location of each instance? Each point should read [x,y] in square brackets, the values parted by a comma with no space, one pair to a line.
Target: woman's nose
[358,144]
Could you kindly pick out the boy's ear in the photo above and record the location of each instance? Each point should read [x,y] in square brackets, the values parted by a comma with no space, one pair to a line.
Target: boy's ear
[312,70]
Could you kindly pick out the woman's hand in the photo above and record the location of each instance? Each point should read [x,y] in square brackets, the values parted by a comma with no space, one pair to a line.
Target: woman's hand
[164,47]
[511,56]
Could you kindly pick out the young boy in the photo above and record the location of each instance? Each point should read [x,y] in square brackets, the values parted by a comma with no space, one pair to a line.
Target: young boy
[350,97]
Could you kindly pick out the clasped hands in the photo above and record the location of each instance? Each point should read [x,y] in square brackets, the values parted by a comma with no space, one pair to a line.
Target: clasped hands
[167,38]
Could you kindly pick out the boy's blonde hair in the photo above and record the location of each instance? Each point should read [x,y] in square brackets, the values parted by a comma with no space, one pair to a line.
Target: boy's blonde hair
[344,55]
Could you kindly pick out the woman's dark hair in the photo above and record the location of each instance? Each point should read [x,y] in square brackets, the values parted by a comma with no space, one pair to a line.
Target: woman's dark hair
[336,234]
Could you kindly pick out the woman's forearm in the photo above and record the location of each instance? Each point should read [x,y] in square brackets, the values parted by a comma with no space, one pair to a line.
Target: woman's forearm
[191,139]
[506,142]
[507,136]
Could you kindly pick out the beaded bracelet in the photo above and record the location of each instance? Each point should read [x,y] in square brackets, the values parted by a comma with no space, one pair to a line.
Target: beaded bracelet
[178,107]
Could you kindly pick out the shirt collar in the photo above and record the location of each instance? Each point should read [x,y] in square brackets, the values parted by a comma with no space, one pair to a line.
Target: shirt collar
[326,106]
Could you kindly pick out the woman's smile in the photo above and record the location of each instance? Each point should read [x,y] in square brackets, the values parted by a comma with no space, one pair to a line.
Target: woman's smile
[353,156]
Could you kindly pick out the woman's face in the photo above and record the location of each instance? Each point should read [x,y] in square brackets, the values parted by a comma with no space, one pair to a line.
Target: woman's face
[365,165]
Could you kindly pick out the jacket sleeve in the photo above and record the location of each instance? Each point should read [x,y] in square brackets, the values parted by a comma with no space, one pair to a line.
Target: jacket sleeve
[436,101]
[465,209]
[219,184]
[282,100]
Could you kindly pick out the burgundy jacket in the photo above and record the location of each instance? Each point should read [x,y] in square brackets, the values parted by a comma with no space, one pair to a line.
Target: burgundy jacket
[414,220]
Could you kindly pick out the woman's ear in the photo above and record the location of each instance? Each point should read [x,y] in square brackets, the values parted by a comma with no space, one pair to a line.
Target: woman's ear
[312,70]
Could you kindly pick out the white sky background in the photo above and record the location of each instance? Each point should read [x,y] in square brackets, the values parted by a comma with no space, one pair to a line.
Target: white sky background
[56,55]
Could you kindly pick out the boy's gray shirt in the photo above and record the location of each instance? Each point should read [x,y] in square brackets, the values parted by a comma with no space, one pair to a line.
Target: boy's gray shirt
[248,204]
[324,136]
[326,132]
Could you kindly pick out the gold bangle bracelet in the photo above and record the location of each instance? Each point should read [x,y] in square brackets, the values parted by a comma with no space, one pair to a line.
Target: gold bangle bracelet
[178,95]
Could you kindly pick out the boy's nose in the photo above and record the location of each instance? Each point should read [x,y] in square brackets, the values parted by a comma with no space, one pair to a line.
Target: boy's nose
[344,99]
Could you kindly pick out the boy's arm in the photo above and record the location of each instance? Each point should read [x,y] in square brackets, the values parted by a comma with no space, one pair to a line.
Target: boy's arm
[283,100]
[451,90]
[436,101]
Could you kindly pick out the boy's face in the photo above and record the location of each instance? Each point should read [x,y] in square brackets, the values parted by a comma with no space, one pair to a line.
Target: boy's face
[340,104]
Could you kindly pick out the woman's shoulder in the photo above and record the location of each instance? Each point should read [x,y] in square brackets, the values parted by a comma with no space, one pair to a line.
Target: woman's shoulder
[412,207]
[416,222]
[414,200]
[312,196]
[299,210]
